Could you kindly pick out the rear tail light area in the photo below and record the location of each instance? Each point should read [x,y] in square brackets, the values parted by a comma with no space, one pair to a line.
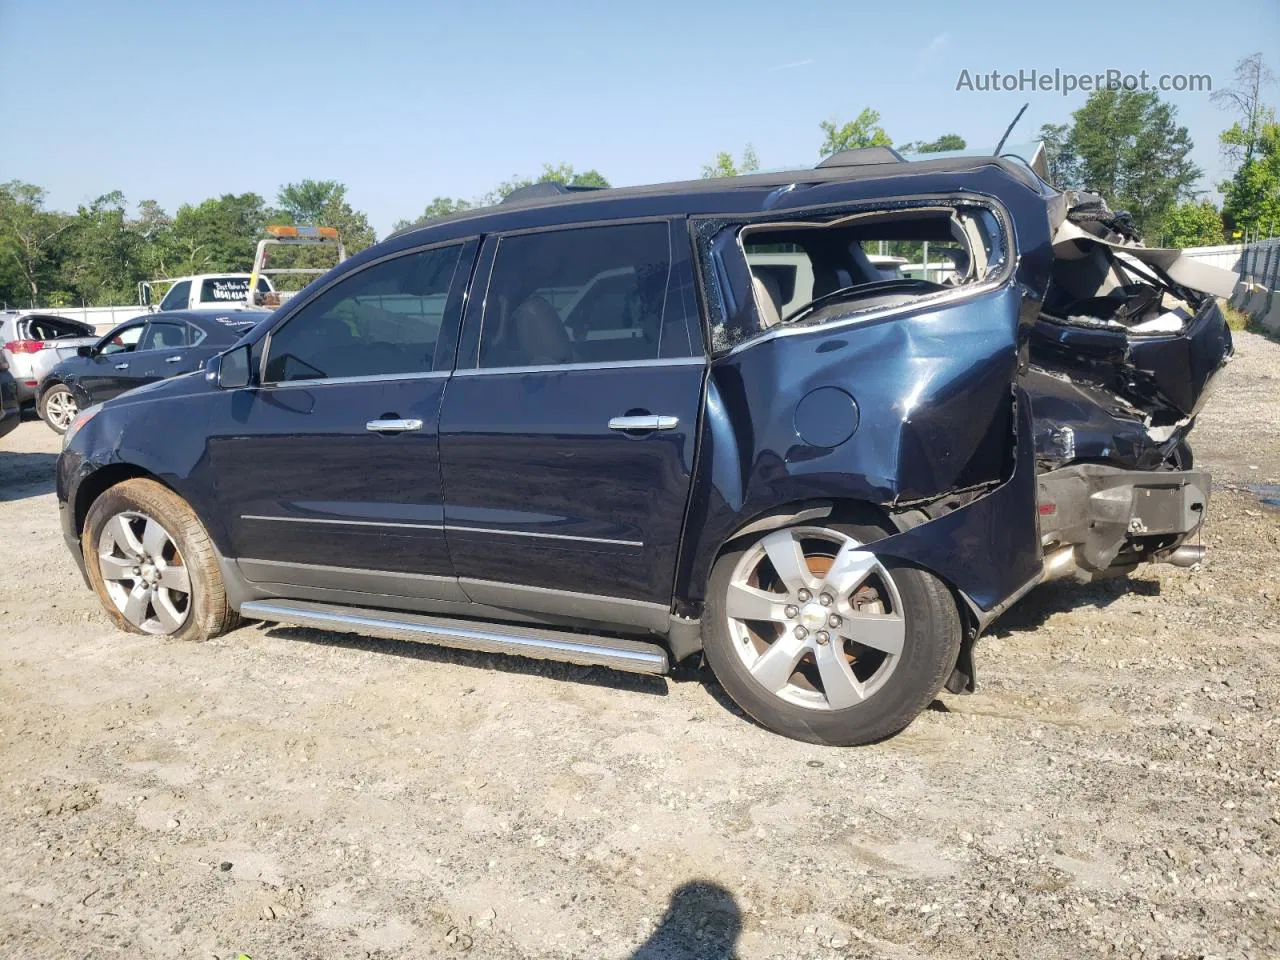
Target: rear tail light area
[25,346]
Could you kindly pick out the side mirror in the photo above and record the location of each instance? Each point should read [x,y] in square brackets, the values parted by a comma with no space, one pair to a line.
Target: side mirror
[230,370]
[144,293]
[85,351]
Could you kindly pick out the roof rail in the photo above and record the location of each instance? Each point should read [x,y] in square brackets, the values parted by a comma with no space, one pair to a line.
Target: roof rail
[544,188]
[861,156]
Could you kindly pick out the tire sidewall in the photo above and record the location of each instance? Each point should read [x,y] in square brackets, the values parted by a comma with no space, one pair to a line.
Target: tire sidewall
[156,502]
[44,406]
[930,651]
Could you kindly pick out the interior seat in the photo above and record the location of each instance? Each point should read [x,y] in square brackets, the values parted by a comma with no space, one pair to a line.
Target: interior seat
[768,296]
[540,334]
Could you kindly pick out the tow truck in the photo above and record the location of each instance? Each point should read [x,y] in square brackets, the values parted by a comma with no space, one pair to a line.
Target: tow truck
[223,291]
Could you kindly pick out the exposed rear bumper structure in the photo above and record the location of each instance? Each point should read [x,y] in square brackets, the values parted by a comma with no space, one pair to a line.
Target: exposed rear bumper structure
[1096,519]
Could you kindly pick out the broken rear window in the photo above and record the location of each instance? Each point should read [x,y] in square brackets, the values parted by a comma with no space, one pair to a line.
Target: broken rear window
[812,271]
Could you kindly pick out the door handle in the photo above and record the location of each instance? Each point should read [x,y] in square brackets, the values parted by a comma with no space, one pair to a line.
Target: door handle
[393,426]
[645,422]
[122,366]
[177,359]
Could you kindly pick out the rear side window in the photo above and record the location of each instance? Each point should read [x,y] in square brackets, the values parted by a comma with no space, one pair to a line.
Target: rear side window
[227,289]
[588,295]
[164,336]
[50,328]
[177,297]
[380,321]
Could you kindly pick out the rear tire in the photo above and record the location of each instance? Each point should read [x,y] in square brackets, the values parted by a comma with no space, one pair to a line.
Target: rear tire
[842,690]
[58,407]
[152,564]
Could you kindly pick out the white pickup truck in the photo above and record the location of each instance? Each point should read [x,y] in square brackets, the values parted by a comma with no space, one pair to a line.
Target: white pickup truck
[220,291]
[203,291]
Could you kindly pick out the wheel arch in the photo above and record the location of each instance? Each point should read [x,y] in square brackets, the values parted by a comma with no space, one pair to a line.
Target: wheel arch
[100,481]
[865,513]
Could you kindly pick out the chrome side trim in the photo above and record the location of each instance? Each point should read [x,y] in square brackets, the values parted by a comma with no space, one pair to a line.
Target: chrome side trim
[344,523]
[338,381]
[565,367]
[629,655]
[543,536]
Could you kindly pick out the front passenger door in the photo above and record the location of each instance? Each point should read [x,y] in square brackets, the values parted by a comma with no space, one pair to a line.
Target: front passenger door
[327,469]
[106,373]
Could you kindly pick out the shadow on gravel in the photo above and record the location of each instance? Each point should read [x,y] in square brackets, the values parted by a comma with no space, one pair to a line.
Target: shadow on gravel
[1040,604]
[702,922]
[24,475]
[551,669]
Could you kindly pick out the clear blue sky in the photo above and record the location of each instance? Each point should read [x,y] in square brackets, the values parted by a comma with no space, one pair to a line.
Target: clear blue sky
[405,101]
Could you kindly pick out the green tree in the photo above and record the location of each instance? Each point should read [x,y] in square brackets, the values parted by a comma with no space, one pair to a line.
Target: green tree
[725,166]
[1251,198]
[438,207]
[154,229]
[948,141]
[864,130]
[324,203]
[558,173]
[30,239]
[1192,224]
[1064,164]
[219,234]
[1127,146]
[102,260]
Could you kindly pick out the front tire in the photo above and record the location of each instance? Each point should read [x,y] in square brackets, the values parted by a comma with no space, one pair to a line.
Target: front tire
[822,641]
[58,407]
[152,564]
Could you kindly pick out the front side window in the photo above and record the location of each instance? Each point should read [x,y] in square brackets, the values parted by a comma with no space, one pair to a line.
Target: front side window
[587,295]
[176,298]
[122,341]
[380,321]
[164,336]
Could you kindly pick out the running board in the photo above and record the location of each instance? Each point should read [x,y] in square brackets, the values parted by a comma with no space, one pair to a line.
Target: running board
[587,650]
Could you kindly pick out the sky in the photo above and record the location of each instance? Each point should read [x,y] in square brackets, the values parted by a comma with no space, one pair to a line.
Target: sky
[405,101]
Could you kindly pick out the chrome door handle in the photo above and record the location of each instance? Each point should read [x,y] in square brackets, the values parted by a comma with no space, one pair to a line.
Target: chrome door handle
[393,426]
[122,366]
[177,359]
[646,422]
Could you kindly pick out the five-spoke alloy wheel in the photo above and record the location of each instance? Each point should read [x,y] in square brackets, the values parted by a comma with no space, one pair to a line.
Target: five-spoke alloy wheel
[816,637]
[58,408]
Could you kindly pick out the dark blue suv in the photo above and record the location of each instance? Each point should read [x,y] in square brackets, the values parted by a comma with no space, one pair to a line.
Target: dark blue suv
[790,421]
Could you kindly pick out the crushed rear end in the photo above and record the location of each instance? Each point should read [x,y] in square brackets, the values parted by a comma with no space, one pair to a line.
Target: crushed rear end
[1122,359]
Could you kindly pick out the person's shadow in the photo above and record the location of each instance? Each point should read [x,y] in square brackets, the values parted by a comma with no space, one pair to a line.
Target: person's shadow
[702,922]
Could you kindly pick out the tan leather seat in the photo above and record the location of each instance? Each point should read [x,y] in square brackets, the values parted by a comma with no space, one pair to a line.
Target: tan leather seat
[540,334]
[768,298]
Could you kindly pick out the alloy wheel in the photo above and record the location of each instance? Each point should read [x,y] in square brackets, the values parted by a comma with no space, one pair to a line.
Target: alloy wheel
[61,408]
[816,619]
[144,573]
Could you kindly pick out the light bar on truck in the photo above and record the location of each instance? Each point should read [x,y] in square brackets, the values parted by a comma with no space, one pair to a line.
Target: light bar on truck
[327,233]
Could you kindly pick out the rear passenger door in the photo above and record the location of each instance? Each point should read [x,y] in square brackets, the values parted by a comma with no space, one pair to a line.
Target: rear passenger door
[161,353]
[567,433]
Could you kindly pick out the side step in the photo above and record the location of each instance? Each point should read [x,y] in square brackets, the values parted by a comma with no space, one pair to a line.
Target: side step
[632,656]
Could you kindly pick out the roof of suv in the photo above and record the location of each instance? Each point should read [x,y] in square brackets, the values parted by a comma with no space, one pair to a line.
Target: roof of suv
[728,187]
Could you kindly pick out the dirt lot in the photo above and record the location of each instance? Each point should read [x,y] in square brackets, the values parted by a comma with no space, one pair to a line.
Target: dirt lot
[1114,789]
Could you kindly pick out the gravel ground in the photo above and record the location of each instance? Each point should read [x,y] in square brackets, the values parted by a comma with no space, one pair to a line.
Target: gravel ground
[1112,790]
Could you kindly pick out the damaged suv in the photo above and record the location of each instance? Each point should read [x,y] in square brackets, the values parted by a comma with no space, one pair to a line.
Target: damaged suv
[820,426]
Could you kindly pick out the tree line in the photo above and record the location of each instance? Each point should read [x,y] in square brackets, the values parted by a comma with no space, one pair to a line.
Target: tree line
[1125,145]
